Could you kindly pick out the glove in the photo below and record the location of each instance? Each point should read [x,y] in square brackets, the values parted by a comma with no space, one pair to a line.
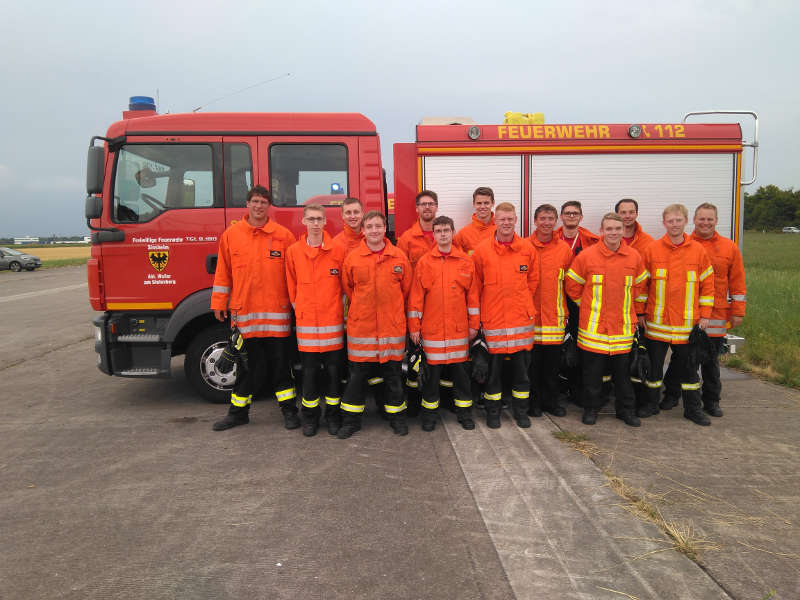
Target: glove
[233,354]
[479,352]
[569,353]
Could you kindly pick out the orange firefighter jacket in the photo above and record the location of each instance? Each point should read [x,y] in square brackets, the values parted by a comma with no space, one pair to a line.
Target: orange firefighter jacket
[610,289]
[469,236]
[730,291]
[508,276]
[585,238]
[313,276]
[681,289]
[444,304]
[348,239]
[554,257]
[414,243]
[250,279]
[641,239]
[377,286]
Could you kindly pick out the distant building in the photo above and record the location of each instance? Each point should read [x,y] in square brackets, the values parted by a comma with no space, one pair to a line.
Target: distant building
[26,240]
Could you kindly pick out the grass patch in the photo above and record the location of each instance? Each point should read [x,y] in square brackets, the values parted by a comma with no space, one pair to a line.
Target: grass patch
[772,325]
[63,262]
[578,441]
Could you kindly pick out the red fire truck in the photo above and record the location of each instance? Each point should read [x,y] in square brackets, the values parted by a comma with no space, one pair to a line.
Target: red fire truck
[162,188]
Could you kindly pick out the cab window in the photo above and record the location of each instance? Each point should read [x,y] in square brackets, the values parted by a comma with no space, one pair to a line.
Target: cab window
[150,179]
[308,174]
[238,174]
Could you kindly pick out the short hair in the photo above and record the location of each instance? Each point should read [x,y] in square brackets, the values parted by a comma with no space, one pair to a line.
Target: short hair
[676,208]
[483,191]
[610,216]
[309,207]
[350,200]
[259,190]
[706,205]
[635,203]
[428,193]
[505,207]
[574,203]
[443,220]
[545,208]
[372,214]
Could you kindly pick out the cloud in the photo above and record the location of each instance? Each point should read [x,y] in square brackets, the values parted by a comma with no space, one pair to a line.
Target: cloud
[56,183]
[6,176]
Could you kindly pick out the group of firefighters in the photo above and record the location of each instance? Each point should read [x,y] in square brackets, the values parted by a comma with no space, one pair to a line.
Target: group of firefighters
[483,286]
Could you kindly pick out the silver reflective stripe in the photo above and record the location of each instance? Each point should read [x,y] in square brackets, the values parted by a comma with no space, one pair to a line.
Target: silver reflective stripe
[510,343]
[473,311]
[373,353]
[414,314]
[446,355]
[510,331]
[443,344]
[392,340]
[738,298]
[355,340]
[326,329]
[312,342]
[251,328]
[717,322]
[267,315]
[716,330]
[221,289]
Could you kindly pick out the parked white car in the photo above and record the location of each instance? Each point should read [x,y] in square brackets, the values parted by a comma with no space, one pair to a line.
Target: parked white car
[791,230]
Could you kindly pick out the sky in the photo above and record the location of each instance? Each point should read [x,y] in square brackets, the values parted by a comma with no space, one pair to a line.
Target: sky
[70,68]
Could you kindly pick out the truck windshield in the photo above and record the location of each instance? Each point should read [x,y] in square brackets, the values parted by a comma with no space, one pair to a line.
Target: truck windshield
[153,178]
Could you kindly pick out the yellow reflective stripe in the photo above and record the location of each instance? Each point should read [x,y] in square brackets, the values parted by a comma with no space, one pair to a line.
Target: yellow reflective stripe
[412,384]
[575,277]
[606,378]
[691,275]
[636,380]
[518,394]
[462,403]
[560,300]
[658,313]
[287,394]
[353,408]
[429,405]
[688,308]
[375,380]
[241,401]
[691,386]
[603,346]
[653,384]
[642,298]
[706,301]
[642,276]
[391,409]
[496,396]
[704,275]
[577,301]
[626,306]
[310,403]
[597,302]
[330,401]
[445,383]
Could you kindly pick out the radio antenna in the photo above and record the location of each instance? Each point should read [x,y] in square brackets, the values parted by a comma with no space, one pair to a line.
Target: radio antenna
[244,89]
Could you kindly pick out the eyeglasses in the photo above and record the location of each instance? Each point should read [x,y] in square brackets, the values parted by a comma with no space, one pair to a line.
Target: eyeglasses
[426,204]
[571,214]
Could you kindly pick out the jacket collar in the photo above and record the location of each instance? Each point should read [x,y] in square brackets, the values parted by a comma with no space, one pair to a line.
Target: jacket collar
[480,225]
[455,252]
[516,244]
[388,250]
[268,227]
[327,243]
[666,241]
[623,249]
[713,238]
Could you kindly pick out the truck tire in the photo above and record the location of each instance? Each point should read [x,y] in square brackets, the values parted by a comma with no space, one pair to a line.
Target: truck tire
[201,355]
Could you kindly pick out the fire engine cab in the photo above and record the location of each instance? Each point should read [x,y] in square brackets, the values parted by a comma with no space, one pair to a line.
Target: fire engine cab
[162,188]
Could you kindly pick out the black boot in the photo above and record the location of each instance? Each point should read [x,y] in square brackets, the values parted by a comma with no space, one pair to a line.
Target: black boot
[589,416]
[351,422]
[464,416]
[519,408]
[428,418]
[290,418]
[333,418]
[668,403]
[697,416]
[712,408]
[647,410]
[237,415]
[398,424]
[310,426]
[493,414]
[629,419]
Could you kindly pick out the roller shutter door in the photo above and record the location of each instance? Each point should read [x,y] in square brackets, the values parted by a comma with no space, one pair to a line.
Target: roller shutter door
[654,180]
[454,178]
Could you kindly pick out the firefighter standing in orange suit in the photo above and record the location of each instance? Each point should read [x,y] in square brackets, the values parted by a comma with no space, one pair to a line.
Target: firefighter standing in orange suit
[508,274]
[376,278]
[250,284]
[554,257]
[482,226]
[313,277]
[418,239]
[608,281]
[444,314]
[730,301]
[680,296]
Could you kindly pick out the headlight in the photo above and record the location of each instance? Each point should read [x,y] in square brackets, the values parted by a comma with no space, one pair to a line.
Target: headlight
[98,334]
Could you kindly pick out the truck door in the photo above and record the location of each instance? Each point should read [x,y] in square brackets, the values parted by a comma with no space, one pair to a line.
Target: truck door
[309,170]
[167,197]
[240,157]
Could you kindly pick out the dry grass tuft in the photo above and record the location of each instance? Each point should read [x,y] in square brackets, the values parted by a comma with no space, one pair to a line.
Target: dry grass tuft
[578,441]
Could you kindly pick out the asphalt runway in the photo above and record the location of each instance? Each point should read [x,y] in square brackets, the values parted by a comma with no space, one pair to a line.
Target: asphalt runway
[118,488]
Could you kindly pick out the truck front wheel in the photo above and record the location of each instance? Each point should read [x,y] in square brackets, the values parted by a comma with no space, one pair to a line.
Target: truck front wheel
[199,365]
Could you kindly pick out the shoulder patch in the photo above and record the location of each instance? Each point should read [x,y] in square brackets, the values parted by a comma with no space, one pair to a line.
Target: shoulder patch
[334,271]
[398,268]
[274,253]
[523,268]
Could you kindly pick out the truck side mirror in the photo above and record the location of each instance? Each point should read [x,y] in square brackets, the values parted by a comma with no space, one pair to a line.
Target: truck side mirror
[95,165]
[94,207]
